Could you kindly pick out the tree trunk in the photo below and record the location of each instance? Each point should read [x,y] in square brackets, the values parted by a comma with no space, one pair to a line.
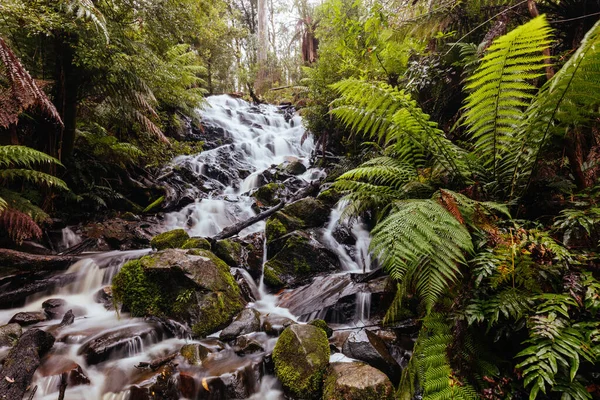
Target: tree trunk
[67,84]
[22,361]
[35,262]
[262,46]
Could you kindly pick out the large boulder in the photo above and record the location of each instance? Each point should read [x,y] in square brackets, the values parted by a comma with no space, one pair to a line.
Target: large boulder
[193,287]
[301,356]
[269,194]
[120,234]
[356,381]
[304,213]
[299,257]
[27,318]
[366,346]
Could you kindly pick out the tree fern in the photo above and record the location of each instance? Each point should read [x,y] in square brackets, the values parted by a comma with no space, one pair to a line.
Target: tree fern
[429,367]
[569,98]
[387,114]
[500,91]
[422,243]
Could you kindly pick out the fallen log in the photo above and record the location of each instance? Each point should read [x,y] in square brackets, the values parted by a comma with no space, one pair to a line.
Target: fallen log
[22,362]
[35,262]
[79,248]
[232,230]
[236,228]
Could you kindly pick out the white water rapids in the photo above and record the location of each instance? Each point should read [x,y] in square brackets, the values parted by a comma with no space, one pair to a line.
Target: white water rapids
[260,138]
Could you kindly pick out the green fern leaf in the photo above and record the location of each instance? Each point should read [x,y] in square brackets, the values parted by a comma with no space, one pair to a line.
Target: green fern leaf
[500,92]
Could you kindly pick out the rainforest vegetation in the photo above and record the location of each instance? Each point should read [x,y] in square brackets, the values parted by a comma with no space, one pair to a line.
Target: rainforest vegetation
[465,133]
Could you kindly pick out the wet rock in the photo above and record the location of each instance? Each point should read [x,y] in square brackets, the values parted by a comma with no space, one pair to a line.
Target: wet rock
[119,234]
[68,319]
[319,323]
[301,356]
[300,257]
[229,376]
[162,386]
[28,318]
[231,252]
[366,346]
[329,196]
[356,381]
[9,334]
[104,296]
[195,353]
[273,324]
[248,344]
[246,322]
[56,308]
[332,297]
[269,195]
[247,286]
[188,286]
[51,306]
[170,240]
[304,213]
[122,341]
[295,168]
[58,365]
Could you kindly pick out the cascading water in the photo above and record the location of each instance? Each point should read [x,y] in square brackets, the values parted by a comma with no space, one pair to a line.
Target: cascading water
[260,138]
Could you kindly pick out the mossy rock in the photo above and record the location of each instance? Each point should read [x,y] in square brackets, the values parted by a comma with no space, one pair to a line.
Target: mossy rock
[229,251]
[297,258]
[274,228]
[295,168]
[310,211]
[195,353]
[197,289]
[196,243]
[330,196]
[268,195]
[356,381]
[321,324]
[170,240]
[301,356]
[10,334]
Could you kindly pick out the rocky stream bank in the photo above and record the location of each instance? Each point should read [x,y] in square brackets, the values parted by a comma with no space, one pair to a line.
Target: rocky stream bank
[163,307]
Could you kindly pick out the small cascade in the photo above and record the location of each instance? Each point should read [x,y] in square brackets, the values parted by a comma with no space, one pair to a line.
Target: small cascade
[355,257]
[68,239]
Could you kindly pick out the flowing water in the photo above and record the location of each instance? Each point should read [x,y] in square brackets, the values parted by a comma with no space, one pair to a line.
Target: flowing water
[261,137]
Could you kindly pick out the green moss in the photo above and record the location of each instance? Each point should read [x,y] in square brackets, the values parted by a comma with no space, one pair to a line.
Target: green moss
[194,353]
[132,288]
[271,277]
[300,366]
[267,194]
[196,243]
[321,324]
[330,196]
[229,251]
[274,229]
[170,240]
[216,313]
[155,204]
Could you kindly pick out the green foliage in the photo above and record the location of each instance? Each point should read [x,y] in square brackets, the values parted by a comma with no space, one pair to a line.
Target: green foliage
[499,91]
[422,244]
[18,216]
[430,368]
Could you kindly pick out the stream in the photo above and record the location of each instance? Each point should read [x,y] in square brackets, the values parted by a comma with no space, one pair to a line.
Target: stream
[259,139]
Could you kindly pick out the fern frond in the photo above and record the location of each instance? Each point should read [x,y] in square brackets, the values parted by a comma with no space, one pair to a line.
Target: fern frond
[389,115]
[19,225]
[500,92]
[85,9]
[569,98]
[27,175]
[24,157]
[422,242]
